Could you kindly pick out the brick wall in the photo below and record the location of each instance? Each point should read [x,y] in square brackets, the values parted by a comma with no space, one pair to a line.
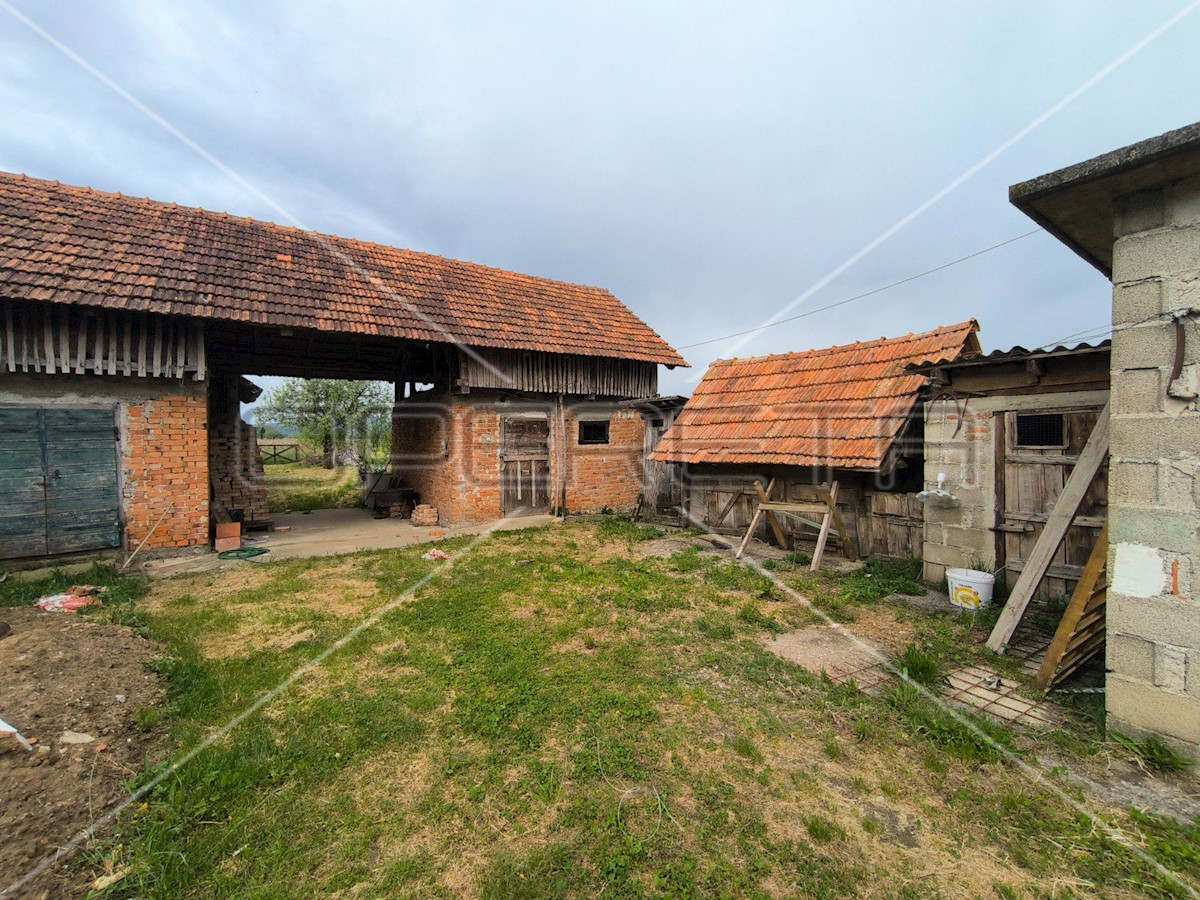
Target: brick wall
[164,459]
[1153,611]
[234,459]
[604,476]
[447,448]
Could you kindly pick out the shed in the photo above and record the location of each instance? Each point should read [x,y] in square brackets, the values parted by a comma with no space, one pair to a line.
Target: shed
[1002,435]
[843,414]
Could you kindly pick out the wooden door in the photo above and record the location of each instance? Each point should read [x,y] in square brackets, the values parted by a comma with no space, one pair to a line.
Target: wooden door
[58,481]
[524,465]
[662,483]
[22,484]
[1040,450]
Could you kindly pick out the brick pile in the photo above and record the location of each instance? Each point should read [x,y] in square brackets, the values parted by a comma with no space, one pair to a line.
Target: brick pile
[425,516]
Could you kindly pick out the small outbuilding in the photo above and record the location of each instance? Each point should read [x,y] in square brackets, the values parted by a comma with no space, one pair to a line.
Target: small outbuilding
[849,415]
[127,325]
[1002,435]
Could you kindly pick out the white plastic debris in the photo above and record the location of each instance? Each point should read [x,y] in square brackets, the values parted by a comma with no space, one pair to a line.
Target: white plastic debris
[5,728]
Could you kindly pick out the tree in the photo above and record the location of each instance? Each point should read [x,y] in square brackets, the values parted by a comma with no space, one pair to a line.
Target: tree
[336,415]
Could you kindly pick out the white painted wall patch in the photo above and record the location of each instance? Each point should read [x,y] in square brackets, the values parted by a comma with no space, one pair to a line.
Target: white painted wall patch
[1139,571]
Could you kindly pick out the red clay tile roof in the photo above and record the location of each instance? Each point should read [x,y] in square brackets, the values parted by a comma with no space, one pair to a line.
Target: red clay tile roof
[75,245]
[842,407]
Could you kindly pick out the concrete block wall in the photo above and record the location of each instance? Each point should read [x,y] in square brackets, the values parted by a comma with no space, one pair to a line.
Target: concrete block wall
[1153,651]
[961,536]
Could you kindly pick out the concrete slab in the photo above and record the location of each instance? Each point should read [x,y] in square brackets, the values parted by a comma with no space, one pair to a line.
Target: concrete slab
[330,532]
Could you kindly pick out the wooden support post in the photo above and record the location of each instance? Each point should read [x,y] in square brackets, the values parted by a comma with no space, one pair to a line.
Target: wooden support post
[1053,532]
[826,521]
[764,496]
[758,512]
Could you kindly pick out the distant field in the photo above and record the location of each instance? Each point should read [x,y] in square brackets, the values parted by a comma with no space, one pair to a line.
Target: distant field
[293,487]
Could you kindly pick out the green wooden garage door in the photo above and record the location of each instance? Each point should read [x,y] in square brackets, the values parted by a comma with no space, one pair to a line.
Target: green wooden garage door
[58,481]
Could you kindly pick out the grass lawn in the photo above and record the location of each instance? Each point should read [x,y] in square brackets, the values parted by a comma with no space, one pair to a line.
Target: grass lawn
[576,711]
[294,487]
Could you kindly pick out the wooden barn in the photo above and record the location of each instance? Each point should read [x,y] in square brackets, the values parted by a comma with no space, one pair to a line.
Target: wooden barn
[847,418]
[126,326]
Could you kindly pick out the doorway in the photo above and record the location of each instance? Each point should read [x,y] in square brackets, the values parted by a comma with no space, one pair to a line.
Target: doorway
[58,481]
[524,465]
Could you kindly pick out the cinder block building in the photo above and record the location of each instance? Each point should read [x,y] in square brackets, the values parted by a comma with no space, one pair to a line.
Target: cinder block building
[1002,434]
[127,325]
[1134,214]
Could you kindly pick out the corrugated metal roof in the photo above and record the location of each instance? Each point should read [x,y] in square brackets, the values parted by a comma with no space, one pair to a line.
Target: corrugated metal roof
[1013,354]
[841,407]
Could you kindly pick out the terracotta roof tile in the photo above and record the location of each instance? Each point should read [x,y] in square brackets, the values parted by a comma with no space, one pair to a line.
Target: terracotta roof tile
[75,245]
[841,407]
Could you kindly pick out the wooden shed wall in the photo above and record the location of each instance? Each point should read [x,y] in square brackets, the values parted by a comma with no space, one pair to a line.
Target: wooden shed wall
[881,523]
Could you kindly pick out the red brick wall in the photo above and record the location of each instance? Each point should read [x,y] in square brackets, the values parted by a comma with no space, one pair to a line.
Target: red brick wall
[164,457]
[235,463]
[447,448]
[605,476]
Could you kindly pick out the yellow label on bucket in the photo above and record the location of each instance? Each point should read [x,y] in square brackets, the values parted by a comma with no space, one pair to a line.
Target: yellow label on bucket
[966,597]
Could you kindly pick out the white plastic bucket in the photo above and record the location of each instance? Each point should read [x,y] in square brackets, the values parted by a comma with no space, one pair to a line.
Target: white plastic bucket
[970,588]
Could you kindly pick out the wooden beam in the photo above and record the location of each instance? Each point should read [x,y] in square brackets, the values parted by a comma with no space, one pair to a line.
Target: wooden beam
[765,497]
[823,536]
[1055,529]
[847,546]
[10,338]
[1073,615]
[754,522]
[738,495]
[81,349]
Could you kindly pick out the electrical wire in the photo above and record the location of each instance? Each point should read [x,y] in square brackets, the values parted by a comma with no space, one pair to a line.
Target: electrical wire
[878,290]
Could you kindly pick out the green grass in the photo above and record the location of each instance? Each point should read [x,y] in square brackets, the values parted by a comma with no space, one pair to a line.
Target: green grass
[547,718]
[293,487]
[917,665]
[120,595]
[1155,754]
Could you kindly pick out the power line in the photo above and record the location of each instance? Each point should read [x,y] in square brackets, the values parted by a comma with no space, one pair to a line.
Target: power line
[878,290]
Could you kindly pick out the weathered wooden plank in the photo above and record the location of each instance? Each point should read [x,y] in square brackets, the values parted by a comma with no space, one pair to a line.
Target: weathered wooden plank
[10,339]
[1090,461]
[1071,624]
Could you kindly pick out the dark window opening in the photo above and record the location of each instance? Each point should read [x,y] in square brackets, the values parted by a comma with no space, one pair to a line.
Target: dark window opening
[656,423]
[1042,430]
[593,432]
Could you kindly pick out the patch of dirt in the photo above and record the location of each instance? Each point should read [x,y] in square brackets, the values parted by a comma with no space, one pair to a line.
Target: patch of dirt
[65,676]
[833,650]
[931,602]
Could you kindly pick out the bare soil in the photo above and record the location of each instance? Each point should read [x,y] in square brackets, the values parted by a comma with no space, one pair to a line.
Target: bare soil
[65,674]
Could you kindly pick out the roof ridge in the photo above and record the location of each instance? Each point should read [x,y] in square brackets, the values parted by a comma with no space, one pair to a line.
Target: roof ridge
[971,323]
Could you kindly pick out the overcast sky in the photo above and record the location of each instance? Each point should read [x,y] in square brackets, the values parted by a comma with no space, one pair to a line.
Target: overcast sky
[706,162]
